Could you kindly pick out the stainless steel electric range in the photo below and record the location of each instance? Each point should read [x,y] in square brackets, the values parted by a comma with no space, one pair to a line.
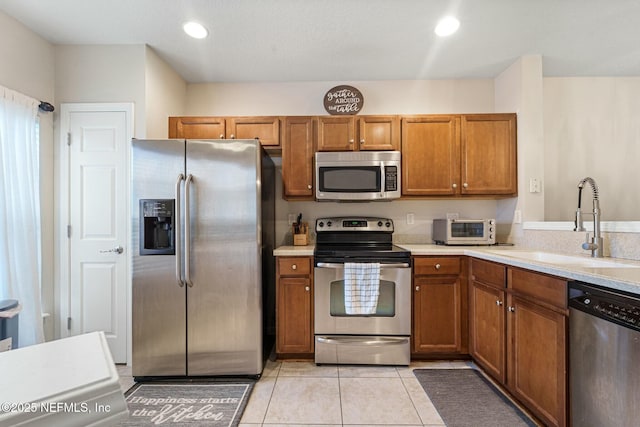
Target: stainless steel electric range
[380,336]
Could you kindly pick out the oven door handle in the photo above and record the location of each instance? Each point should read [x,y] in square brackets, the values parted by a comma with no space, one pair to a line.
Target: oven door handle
[339,265]
[360,341]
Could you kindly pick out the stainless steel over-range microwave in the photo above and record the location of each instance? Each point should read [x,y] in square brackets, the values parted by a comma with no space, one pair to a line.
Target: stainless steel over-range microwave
[357,175]
[464,231]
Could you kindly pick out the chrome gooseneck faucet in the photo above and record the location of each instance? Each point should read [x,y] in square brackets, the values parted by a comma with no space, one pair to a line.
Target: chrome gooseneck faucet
[595,245]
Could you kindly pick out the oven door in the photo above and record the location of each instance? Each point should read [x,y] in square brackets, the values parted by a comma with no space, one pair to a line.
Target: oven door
[393,312]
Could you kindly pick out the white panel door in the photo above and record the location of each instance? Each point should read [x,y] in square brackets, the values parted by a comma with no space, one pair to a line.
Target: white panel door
[98,219]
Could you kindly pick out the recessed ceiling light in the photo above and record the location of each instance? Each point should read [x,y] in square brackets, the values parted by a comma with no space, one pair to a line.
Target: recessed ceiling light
[195,30]
[447,26]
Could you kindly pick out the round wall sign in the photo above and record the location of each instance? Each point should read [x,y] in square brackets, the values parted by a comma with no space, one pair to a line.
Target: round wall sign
[343,100]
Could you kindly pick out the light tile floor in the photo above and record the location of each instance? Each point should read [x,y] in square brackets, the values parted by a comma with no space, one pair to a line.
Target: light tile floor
[303,394]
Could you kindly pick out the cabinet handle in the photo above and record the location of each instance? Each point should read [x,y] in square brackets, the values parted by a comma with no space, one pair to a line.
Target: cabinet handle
[309,186]
[417,288]
[233,136]
[437,266]
[351,141]
[512,309]
[498,302]
[465,185]
[455,186]
[362,141]
[222,136]
[294,267]
[306,288]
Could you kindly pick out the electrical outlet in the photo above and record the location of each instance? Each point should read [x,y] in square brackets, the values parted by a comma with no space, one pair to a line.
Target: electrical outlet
[453,215]
[410,218]
[534,185]
[517,216]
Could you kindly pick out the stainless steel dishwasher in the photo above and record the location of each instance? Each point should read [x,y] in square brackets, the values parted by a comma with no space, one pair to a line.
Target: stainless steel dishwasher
[604,347]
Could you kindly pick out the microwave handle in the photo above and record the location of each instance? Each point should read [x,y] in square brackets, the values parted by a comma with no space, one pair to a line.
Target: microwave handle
[339,265]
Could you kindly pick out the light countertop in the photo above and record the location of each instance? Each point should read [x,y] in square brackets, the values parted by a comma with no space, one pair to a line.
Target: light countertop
[617,274]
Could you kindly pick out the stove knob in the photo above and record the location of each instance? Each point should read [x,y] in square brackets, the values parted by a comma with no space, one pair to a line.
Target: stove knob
[321,224]
[379,223]
[387,224]
[328,223]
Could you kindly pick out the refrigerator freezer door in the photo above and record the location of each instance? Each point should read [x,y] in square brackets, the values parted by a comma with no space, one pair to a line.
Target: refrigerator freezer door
[159,314]
[224,309]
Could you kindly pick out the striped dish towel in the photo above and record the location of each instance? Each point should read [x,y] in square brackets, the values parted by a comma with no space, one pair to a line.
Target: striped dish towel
[361,287]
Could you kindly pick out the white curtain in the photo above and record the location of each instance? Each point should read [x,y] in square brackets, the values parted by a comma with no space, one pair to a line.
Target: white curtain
[20,211]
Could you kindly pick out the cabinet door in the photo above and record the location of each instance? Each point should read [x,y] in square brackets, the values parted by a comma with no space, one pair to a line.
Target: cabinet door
[266,129]
[437,315]
[489,154]
[487,329]
[297,158]
[294,315]
[379,133]
[336,133]
[197,127]
[430,156]
[537,359]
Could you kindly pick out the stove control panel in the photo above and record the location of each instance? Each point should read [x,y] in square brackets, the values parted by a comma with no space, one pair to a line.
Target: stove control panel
[354,224]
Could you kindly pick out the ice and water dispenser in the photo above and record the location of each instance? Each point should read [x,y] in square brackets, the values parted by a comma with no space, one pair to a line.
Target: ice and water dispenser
[157,218]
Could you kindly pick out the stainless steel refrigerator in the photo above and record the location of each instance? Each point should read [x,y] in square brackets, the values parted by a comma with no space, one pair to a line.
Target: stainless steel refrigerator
[202,257]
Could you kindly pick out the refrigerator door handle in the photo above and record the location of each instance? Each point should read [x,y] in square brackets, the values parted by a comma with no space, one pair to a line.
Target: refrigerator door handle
[187,232]
[178,234]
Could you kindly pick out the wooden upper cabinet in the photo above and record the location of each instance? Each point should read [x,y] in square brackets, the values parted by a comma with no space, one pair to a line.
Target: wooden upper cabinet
[297,158]
[364,133]
[378,133]
[430,155]
[266,129]
[336,133]
[197,127]
[489,154]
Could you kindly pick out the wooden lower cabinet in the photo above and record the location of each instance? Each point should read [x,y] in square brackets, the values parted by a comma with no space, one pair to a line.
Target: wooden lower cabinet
[487,329]
[537,357]
[439,307]
[294,307]
[518,335]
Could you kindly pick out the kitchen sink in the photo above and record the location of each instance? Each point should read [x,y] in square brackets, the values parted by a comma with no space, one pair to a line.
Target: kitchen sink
[564,260]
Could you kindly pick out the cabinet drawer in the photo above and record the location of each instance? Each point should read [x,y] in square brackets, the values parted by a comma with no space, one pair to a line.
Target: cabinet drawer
[436,265]
[296,266]
[542,287]
[488,272]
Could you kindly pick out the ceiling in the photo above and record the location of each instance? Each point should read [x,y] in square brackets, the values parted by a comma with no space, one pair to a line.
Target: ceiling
[351,40]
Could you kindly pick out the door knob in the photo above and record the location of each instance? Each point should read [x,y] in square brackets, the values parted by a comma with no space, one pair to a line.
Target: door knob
[117,249]
[512,309]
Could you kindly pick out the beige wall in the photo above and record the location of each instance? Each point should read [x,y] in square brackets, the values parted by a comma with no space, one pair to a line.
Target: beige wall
[592,128]
[103,74]
[165,95]
[519,89]
[305,98]
[28,67]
